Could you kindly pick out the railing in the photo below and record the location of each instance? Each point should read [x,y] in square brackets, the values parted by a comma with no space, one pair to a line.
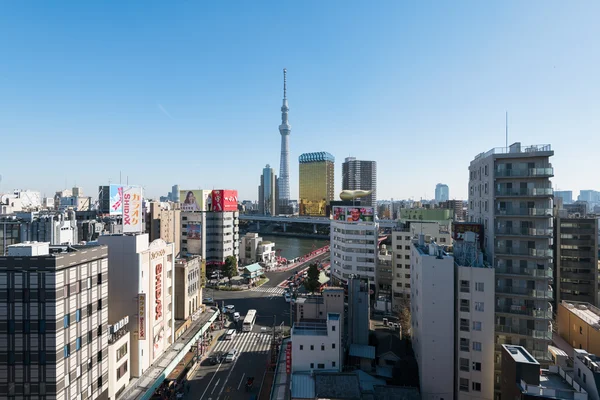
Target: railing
[517,251]
[577,253]
[529,212]
[524,231]
[547,335]
[538,294]
[534,148]
[525,172]
[525,192]
[534,272]
[522,310]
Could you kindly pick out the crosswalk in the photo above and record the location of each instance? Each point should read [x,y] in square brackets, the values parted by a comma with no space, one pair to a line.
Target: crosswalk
[274,291]
[245,342]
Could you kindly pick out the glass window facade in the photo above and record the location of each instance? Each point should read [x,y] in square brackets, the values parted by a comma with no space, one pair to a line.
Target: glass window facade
[316,183]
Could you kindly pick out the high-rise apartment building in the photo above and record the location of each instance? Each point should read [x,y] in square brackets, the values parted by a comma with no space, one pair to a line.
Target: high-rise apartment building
[576,258]
[592,197]
[267,192]
[285,129]
[54,313]
[510,193]
[316,183]
[442,192]
[360,175]
[565,195]
[163,221]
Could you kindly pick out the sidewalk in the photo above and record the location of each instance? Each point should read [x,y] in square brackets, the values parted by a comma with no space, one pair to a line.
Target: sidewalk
[297,264]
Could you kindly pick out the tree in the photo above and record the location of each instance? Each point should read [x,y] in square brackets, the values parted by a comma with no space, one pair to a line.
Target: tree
[229,268]
[311,283]
[404,316]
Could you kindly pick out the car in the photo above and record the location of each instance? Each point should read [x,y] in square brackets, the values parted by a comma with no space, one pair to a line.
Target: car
[288,298]
[291,278]
[236,316]
[228,309]
[216,358]
[230,357]
[208,300]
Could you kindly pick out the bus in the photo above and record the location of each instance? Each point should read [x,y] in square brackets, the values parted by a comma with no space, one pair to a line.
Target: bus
[229,334]
[249,320]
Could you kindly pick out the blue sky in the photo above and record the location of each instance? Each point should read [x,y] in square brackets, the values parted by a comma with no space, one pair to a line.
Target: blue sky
[190,92]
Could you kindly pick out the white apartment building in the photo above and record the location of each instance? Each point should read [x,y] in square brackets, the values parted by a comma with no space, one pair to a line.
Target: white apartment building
[254,249]
[353,250]
[141,286]
[188,286]
[432,316]
[510,193]
[54,318]
[119,344]
[317,346]
[212,235]
[402,239]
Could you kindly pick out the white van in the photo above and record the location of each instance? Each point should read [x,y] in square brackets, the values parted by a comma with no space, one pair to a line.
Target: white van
[230,334]
[236,316]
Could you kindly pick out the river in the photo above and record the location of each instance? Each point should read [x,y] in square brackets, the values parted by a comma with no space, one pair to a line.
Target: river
[292,247]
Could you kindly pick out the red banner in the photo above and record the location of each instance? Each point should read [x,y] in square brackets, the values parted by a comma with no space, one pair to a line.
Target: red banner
[288,358]
[224,200]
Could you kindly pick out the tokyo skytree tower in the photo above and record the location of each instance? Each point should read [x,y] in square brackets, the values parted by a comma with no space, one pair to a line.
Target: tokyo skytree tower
[284,167]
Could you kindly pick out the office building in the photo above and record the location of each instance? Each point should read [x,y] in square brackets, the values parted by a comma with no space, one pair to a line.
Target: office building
[353,241]
[442,193]
[579,325]
[317,345]
[316,183]
[10,232]
[592,197]
[432,318]
[189,278]
[285,129]
[119,344]
[459,208]
[267,192]
[587,366]
[523,378]
[402,238]
[54,227]
[163,221]
[510,193]
[360,175]
[576,258]
[212,235]
[358,311]
[141,285]
[54,313]
[318,306]
[565,195]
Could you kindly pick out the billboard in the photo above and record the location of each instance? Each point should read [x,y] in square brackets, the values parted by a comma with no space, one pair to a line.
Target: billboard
[353,214]
[142,316]
[158,328]
[460,228]
[132,209]
[194,232]
[116,199]
[195,200]
[224,200]
[288,358]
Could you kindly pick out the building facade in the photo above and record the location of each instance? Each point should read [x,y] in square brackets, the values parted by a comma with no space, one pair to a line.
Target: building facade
[212,235]
[54,227]
[10,232]
[317,346]
[316,183]
[359,311]
[188,286]
[254,249]
[267,192]
[576,258]
[119,344]
[579,325]
[442,192]
[360,175]
[565,195]
[510,193]
[141,286]
[163,221]
[54,322]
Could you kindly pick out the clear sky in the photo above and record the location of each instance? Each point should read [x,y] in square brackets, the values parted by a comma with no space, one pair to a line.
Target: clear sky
[190,92]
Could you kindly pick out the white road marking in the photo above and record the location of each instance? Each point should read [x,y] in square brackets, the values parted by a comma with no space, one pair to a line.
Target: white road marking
[216,384]
[241,380]
[209,382]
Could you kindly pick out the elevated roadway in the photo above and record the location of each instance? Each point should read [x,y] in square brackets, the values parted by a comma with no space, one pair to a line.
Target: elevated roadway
[385,223]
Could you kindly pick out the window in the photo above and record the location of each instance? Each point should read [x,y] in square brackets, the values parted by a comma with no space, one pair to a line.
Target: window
[99,331]
[99,381]
[89,282]
[464,364]
[333,328]
[476,366]
[476,346]
[301,347]
[89,309]
[479,306]
[66,321]
[479,286]
[78,343]
[584,378]
[333,345]
[476,325]
[99,279]
[99,356]
[312,365]
[78,315]
[581,330]
[42,326]
[67,350]
[121,351]
[312,347]
[99,304]
[464,325]
[476,387]
[89,337]
[333,363]
[321,366]
[464,385]
[464,286]
[464,344]
[322,347]
[464,305]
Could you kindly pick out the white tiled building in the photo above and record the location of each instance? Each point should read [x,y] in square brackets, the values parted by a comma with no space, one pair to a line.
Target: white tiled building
[317,346]
[353,250]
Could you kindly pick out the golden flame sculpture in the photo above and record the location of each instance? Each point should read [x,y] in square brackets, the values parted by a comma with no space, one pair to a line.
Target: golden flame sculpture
[354,194]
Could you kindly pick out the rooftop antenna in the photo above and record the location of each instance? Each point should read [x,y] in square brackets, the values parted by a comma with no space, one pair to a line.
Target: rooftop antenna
[285,83]
[506,125]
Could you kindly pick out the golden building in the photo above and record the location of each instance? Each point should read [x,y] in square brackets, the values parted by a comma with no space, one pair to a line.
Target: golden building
[316,183]
[579,325]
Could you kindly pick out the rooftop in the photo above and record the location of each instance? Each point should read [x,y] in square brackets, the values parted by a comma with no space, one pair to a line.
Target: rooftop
[253,267]
[519,354]
[310,329]
[362,351]
[319,156]
[337,386]
[554,383]
[585,311]
[516,148]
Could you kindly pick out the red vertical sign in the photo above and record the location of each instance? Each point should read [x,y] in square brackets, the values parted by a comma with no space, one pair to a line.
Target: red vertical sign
[288,358]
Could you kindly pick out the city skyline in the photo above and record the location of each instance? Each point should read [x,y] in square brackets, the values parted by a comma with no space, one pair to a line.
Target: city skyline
[115,89]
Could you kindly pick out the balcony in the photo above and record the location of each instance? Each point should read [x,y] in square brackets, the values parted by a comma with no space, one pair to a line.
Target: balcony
[526,292]
[544,172]
[537,232]
[577,253]
[525,212]
[532,272]
[526,311]
[524,192]
[515,330]
[526,252]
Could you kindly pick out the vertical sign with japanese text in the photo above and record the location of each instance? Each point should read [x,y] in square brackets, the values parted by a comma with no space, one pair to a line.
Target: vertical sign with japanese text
[288,358]
[141,316]
[132,209]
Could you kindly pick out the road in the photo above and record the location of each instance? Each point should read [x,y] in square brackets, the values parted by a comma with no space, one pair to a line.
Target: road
[227,381]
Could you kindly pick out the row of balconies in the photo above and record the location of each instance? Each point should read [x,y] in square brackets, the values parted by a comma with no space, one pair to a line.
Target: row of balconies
[532,272]
[519,251]
[516,330]
[540,172]
[525,192]
[525,212]
[526,311]
[537,232]
[527,292]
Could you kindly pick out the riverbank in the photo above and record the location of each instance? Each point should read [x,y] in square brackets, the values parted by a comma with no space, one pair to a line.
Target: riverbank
[296,235]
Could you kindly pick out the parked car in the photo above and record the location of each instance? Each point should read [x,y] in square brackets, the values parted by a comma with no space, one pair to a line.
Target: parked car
[230,357]
[228,309]
[288,298]
[208,300]
[215,358]
[236,316]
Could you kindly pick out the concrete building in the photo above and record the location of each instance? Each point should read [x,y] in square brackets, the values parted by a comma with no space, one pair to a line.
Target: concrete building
[119,344]
[20,200]
[54,320]
[576,258]
[442,192]
[510,193]
[268,192]
[353,249]
[459,208]
[10,232]
[318,306]
[384,279]
[592,197]
[189,278]
[141,285]
[55,227]
[565,195]
[426,214]
[212,235]
[316,183]
[586,372]
[402,238]
[360,175]
[359,311]
[254,249]
[317,346]
[163,221]
[432,319]
[579,325]
[285,129]
[523,378]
